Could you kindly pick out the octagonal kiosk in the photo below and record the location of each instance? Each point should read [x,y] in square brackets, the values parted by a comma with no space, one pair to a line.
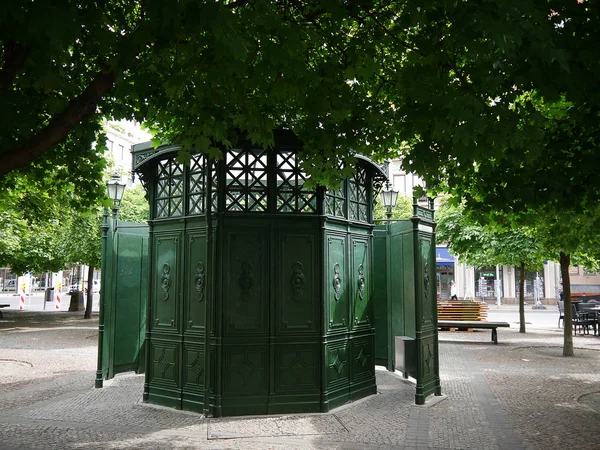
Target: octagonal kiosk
[260,289]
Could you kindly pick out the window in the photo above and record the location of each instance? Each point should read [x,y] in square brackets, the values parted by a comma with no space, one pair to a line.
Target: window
[291,194]
[169,189]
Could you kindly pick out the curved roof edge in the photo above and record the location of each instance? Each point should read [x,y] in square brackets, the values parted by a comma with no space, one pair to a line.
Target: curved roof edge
[143,152]
[378,171]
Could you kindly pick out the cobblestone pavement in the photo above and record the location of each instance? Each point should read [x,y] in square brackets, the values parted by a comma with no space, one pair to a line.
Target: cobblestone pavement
[519,394]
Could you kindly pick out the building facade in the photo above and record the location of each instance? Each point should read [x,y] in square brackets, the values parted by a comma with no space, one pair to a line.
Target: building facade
[492,283]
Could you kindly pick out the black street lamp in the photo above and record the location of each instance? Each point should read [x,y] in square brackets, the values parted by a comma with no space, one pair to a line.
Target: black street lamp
[114,190]
[389,198]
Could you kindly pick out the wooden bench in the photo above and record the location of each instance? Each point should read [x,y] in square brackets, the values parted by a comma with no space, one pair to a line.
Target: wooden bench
[462,310]
[465,325]
[4,305]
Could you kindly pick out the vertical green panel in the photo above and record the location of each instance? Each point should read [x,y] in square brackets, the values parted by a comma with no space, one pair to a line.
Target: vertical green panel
[108,305]
[245,288]
[165,298]
[400,273]
[124,290]
[296,284]
[164,365]
[380,297]
[130,300]
[194,321]
[336,282]
[195,282]
[360,282]
[406,267]
[428,381]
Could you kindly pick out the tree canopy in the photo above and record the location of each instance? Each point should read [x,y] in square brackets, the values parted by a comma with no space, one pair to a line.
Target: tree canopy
[479,245]
[448,81]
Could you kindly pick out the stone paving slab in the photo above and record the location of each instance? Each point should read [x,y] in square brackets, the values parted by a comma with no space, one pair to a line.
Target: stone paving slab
[519,394]
[300,425]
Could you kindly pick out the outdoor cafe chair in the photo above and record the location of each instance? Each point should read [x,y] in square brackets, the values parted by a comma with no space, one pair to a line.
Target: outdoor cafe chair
[584,319]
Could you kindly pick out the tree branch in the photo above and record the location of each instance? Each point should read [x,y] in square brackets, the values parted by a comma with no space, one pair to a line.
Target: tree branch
[80,108]
[15,55]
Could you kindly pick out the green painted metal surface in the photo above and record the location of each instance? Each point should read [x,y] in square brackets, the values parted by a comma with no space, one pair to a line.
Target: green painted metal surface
[260,290]
[406,305]
[123,299]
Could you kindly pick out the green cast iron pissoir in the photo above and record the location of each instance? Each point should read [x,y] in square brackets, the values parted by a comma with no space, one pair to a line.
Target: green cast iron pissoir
[260,290]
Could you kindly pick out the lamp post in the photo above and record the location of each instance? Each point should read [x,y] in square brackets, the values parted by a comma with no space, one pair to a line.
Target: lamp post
[114,191]
[389,198]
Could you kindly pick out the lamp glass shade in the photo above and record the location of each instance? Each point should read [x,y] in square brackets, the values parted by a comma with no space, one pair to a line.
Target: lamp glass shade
[115,189]
[389,198]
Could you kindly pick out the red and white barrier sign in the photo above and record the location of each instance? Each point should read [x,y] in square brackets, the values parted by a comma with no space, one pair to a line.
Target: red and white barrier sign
[22,282]
[57,295]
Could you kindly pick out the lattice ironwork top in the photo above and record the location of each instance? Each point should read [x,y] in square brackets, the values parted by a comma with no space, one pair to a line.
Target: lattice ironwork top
[249,179]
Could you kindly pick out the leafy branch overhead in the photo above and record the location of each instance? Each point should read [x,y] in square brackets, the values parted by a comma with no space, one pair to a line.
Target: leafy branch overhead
[446,81]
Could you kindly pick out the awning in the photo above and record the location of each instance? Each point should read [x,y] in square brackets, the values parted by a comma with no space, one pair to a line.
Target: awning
[443,257]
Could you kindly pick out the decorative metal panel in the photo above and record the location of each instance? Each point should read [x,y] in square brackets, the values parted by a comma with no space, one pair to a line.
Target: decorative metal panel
[360,282]
[358,196]
[245,293]
[336,281]
[291,195]
[165,280]
[363,365]
[246,180]
[297,368]
[245,371]
[194,368]
[195,282]
[335,201]
[214,189]
[429,301]
[164,364]
[296,284]
[337,365]
[169,189]
[196,179]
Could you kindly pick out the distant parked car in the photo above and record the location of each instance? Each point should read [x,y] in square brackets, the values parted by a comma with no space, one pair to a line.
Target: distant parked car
[10,285]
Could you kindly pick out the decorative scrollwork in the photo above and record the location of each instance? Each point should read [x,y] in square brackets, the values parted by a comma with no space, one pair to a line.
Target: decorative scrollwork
[165,281]
[297,281]
[426,280]
[337,281]
[361,282]
[200,281]
[246,281]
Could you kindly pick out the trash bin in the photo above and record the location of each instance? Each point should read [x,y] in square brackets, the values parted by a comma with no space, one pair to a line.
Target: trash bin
[406,355]
[49,295]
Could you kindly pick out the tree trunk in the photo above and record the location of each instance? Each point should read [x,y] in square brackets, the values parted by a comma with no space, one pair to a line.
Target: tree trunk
[522,298]
[90,295]
[565,262]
